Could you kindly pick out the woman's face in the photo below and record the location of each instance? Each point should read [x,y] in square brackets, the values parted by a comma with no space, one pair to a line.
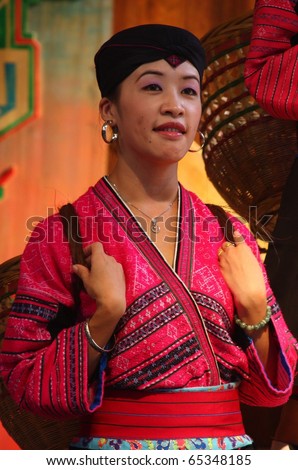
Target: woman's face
[157,111]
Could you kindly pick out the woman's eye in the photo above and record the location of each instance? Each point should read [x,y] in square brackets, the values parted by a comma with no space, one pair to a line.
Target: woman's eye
[190,91]
[152,87]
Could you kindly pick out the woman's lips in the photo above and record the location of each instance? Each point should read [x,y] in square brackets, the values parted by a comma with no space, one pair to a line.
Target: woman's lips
[171,128]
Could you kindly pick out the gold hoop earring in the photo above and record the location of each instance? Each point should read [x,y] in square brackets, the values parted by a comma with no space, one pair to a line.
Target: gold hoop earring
[108,132]
[202,141]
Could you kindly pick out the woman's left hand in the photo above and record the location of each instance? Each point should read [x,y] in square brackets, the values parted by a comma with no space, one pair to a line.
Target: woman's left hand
[244,276]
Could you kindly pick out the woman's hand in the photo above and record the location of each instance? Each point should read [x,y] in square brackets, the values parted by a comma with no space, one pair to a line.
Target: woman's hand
[103,280]
[244,276]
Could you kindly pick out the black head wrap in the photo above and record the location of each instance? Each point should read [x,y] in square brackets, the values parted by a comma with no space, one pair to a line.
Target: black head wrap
[127,50]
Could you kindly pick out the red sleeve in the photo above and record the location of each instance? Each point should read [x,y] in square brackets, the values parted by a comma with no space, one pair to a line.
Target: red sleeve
[271,68]
[44,373]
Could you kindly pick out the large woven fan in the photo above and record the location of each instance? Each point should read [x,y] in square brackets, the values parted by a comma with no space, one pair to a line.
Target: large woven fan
[248,154]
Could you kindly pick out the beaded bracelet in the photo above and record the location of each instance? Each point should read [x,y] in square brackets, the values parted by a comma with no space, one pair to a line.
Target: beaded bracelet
[93,344]
[257,326]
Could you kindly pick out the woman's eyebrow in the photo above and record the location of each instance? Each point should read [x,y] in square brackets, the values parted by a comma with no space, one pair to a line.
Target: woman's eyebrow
[157,72]
[160,74]
[150,72]
[192,77]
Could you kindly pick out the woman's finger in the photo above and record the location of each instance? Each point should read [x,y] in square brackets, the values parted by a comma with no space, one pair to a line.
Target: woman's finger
[92,248]
[227,245]
[88,250]
[238,238]
[81,271]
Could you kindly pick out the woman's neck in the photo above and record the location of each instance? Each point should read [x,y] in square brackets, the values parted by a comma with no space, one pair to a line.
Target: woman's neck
[157,185]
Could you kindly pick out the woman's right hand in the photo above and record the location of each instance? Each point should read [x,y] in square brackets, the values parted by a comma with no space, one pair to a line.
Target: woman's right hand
[104,281]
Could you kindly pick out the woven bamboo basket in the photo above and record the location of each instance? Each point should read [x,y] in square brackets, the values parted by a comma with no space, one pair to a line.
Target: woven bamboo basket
[28,430]
[248,154]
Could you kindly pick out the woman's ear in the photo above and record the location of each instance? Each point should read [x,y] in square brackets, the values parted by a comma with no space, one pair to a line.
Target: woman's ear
[106,109]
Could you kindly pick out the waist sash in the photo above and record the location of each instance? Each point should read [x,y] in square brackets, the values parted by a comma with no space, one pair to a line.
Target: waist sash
[166,415]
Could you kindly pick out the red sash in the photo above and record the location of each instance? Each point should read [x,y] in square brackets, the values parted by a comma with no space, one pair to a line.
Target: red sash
[166,415]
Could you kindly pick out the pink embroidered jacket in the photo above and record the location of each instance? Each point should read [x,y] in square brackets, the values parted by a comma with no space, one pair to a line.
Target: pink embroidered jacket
[271,70]
[178,330]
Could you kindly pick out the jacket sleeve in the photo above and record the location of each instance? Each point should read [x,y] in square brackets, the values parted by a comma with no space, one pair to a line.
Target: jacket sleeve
[271,67]
[46,375]
[256,387]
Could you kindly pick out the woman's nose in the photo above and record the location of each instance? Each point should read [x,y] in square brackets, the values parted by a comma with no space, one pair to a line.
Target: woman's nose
[172,105]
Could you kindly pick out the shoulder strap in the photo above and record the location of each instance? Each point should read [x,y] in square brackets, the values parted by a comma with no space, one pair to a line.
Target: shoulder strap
[71,229]
[226,224]
[223,220]
[67,317]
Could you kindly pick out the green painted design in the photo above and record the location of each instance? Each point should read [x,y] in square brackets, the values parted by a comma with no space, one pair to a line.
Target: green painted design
[2,28]
[15,37]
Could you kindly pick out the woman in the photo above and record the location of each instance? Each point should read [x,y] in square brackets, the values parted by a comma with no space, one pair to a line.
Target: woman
[158,358]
